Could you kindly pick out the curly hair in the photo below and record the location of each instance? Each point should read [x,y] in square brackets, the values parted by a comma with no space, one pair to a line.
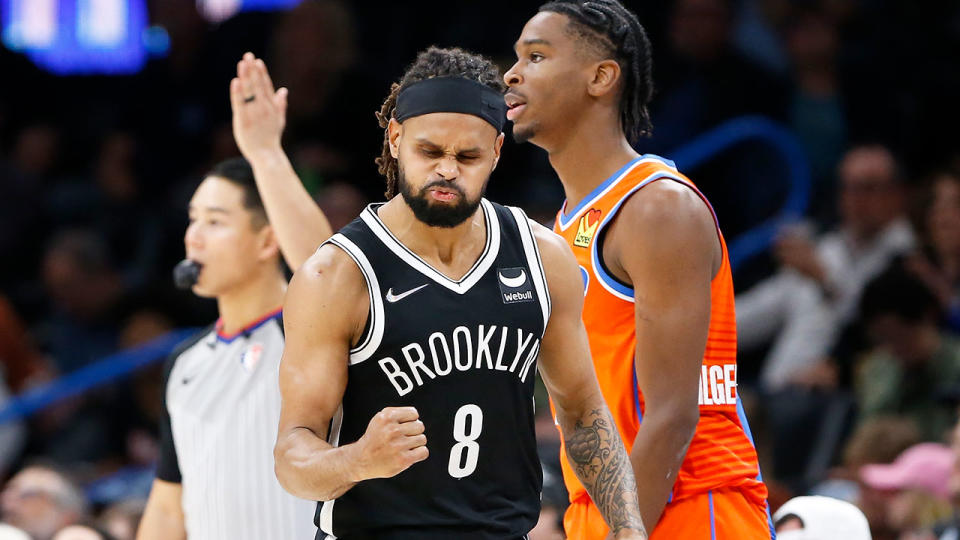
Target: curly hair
[609,27]
[433,62]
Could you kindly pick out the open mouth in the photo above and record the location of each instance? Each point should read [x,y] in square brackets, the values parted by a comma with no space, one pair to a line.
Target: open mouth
[515,105]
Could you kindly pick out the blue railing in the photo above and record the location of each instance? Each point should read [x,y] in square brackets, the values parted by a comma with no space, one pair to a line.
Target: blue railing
[687,157]
[758,128]
[97,374]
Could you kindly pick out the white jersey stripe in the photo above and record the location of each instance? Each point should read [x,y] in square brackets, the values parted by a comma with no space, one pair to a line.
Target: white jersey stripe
[365,350]
[532,252]
[468,280]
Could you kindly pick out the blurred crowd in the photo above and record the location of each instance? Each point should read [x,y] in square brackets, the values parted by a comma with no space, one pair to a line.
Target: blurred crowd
[849,327]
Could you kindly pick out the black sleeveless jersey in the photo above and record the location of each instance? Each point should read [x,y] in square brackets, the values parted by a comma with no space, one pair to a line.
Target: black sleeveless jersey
[463,352]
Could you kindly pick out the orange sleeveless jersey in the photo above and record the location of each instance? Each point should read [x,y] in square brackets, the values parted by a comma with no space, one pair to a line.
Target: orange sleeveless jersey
[722,452]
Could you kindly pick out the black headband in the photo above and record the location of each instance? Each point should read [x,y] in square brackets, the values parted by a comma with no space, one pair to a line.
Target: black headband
[452,94]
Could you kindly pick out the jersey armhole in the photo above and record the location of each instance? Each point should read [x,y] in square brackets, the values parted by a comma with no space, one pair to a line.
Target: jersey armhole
[532,253]
[606,278]
[168,464]
[372,333]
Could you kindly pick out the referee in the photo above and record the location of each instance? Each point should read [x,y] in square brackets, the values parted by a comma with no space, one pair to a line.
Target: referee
[215,479]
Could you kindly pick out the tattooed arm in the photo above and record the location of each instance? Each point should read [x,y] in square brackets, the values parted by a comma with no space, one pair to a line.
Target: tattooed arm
[602,465]
[594,448]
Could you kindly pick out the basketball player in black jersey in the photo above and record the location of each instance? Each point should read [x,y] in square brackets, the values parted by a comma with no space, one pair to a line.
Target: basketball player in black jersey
[413,334]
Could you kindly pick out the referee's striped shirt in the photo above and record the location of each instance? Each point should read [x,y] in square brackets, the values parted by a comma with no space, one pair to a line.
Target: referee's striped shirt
[221,411]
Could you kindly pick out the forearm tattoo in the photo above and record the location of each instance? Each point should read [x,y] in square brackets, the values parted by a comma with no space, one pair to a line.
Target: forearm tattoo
[601,463]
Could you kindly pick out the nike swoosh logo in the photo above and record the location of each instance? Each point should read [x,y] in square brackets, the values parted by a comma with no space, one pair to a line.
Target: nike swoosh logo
[397,297]
[515,282]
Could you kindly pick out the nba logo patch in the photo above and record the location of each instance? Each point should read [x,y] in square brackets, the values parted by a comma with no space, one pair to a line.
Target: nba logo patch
[251,357]
[587,228]
[515,285]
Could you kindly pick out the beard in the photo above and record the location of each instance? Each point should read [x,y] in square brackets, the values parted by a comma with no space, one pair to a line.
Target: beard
[438,214]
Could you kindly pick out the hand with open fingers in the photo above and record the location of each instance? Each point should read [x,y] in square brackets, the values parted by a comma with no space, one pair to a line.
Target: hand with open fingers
[259,111]
[394,441]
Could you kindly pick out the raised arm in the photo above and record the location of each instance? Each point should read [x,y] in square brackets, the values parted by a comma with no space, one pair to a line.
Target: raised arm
[324,313]
[594,448]
[671,268]
[257,125]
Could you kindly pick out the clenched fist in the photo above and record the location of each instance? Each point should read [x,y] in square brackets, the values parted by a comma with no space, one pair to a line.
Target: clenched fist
[394,441]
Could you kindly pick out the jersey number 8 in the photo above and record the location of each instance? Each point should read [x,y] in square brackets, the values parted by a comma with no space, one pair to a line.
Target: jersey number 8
[459,465]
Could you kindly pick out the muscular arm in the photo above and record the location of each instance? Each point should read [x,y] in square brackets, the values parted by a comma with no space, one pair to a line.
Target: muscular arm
[257,125]
[671,269]
[163,515]
[593,444]
[324,312]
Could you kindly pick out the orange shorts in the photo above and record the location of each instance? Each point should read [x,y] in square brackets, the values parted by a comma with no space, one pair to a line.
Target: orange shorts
[715,515]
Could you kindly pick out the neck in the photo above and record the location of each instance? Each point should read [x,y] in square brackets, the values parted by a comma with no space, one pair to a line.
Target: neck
[252,300]
[441,243]
[592,150]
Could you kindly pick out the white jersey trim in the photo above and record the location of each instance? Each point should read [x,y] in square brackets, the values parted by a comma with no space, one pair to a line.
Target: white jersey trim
[371,341]
[326,510]
[460,286]
[564,222]
[607,281]
[534,262]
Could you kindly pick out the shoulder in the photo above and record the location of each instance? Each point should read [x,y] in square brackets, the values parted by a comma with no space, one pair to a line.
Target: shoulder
[553,248]
[330,267]
[560,267]
[322,298]
[668,204]
[183,347]
[666,217]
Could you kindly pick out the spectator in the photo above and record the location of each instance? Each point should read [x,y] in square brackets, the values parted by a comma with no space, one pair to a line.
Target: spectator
[912,492]
[938,264]
[702,80]
[950,528]
[925,467]
[879,440]
[914,361]
[816,290]
[82,532]
[20,361]
[820,518]
[816,111]
[9,532]
[122,519]
[41,500]
[341,203]
[84,290]
[914,514]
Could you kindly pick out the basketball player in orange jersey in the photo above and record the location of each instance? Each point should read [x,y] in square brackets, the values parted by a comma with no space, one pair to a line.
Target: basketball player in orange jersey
[657,283]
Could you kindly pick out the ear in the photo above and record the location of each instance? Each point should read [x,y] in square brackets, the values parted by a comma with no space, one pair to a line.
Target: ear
[497,145]
[606,75]
[267,245]
[394,129]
